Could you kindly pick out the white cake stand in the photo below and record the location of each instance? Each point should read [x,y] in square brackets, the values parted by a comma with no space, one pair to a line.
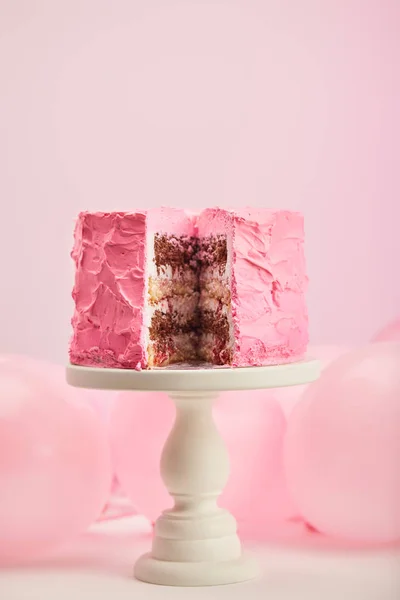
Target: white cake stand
[195,543]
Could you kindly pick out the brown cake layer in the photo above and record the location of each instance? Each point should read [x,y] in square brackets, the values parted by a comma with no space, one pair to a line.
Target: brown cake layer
[163,324]
[213,251]
[176,251]
[216,323]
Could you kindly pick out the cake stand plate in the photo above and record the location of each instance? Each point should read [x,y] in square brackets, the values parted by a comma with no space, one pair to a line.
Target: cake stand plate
[195,543]
[194,378]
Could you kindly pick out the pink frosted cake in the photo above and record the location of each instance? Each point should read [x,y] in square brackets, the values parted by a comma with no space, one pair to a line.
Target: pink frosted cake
[157,287]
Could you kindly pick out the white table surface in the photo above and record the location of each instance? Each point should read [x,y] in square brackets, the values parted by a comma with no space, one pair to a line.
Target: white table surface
[296,565]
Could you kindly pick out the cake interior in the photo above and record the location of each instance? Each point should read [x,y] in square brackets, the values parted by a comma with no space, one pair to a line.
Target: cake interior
[215,336]
[189,300]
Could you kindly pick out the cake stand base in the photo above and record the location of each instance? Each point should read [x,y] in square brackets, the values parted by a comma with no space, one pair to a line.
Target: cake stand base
[195,543]
[162,572]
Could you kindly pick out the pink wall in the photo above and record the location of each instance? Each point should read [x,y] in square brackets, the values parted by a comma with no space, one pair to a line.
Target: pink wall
[112,104]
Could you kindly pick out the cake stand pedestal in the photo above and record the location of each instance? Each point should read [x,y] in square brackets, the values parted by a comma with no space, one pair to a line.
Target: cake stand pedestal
[195,543]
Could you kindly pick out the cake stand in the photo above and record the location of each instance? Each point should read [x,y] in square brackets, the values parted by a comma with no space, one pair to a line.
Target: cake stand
[195,543]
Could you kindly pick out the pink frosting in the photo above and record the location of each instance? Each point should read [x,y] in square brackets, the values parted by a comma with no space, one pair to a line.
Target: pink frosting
[171,220]
[109,254]
[268,282]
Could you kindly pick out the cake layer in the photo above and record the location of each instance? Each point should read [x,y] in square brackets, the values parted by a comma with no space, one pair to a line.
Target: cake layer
[159,288]
[183,305]
[178,252]
[213,250]
[173,348]
[170,323]
[213,349]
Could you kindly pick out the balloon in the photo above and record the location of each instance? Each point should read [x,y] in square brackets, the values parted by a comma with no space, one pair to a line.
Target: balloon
[55,470]
[342,447]
[252,426]
[101,401]
[288,397]
[389,333]
[139,426]
[326,353]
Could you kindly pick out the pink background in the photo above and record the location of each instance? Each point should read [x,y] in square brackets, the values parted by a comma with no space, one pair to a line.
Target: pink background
[112,104]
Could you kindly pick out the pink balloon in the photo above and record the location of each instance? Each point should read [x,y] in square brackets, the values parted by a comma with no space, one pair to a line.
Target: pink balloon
[326,353]
[118,504]
[100,400]
[139,426]
[342,447]
[290,396]
[389,333]
[55,471]
[252,426]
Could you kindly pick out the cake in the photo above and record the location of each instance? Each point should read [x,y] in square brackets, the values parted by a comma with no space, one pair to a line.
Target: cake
[158,287]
